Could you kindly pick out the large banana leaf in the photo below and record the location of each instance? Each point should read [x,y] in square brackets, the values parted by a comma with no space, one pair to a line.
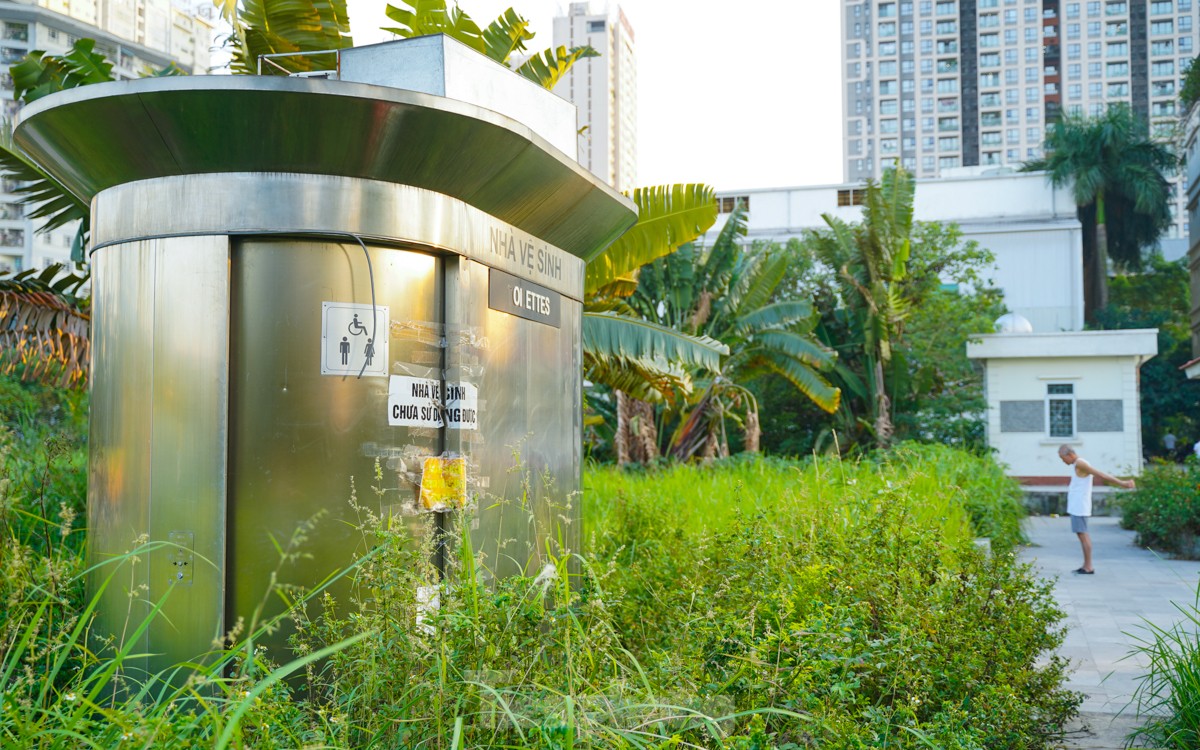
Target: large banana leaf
[804,378]
[668,216]
[654,382]
[266,27]
[610,336]
[37,74]
[44,327]
[506,35]
[777,315]
[424,17]
[547,67]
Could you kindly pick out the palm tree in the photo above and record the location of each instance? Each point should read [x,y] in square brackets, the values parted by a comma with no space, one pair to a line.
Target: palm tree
[870,260]
[1117,173]
[724,293]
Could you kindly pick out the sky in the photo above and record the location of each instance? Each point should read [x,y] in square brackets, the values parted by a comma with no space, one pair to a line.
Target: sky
[735,95]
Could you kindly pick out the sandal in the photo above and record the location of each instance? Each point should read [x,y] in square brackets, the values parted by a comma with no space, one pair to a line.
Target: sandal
[1081,571]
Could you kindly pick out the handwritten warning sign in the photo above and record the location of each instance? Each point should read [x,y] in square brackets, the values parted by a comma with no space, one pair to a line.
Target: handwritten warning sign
[354,339]
[443,483]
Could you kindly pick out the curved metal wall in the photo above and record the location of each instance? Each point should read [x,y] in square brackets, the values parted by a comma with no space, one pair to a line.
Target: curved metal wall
[218,434]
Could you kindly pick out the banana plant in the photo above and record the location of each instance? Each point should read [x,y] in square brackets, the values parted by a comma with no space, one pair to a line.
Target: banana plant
[725,293]
[504,37]
[44,326]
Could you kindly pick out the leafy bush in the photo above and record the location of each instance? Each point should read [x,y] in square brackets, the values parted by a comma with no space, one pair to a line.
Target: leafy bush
[1164,510]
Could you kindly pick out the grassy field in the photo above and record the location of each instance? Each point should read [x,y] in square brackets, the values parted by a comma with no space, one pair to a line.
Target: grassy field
[750,604]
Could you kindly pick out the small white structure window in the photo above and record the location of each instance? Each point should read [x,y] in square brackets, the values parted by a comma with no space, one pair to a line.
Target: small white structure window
[1060,409]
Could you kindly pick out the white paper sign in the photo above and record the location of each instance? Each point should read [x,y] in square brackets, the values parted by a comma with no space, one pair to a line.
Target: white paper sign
[417,402]
[354,339]
[414,402]
[462,406]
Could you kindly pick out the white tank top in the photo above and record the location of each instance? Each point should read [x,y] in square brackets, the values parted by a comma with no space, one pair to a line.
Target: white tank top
[1079,494]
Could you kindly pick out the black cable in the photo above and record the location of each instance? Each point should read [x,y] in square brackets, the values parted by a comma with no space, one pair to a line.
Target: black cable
[374,313]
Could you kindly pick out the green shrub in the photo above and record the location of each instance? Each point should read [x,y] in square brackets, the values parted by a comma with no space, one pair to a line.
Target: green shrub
[1164,510]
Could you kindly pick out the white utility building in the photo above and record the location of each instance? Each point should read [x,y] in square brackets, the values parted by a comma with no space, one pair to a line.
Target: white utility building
[1049,389]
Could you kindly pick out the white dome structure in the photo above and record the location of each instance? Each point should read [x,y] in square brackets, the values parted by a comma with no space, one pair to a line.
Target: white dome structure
[1013,323]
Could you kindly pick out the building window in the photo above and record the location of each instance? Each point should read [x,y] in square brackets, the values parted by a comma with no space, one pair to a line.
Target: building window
[1162,27]
[1060,409]
[851,197]
[595,27]
[727,203]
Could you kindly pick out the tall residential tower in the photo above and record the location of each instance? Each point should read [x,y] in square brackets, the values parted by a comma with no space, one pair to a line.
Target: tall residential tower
[604,89]
[939,84]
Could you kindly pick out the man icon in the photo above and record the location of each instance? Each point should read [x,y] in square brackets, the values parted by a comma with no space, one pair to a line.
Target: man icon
[344,348]
[370,352]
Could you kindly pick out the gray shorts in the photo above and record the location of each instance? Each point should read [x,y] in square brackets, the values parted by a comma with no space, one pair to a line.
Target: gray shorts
[1079,524]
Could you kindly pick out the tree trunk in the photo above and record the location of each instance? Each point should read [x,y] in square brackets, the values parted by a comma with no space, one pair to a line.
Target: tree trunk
[636,439]
[646,440]
[883,409]
[621,437]
[1095,262]
[753,433]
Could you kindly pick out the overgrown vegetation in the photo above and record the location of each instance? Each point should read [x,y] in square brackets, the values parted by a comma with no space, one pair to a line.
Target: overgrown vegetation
[1159,298]
[1164,510]
[848,593]
[753,604]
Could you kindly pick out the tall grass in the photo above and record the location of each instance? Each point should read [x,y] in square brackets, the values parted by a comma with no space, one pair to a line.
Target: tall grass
[755,604]
[1167,698]
[848,592]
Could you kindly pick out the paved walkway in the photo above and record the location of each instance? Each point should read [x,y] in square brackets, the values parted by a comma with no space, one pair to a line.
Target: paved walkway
[1106,613]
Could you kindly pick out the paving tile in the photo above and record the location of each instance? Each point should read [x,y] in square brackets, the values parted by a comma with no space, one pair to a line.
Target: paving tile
[1106,614]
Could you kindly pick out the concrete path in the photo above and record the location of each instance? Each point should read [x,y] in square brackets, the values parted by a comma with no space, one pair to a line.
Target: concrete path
[1106,613]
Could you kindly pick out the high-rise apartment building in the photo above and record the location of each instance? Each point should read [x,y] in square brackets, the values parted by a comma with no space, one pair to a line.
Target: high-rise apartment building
[604,89]
[136,35]
[938,84]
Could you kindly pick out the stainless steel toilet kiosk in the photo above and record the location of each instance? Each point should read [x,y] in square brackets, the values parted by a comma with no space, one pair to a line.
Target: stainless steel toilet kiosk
[296,280]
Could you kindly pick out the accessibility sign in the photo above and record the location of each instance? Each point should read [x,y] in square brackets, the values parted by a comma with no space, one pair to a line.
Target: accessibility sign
[354,339]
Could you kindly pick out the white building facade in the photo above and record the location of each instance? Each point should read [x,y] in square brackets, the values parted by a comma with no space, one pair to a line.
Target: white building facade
[136,35]
[1030,226]
[604,89]
[938,84]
